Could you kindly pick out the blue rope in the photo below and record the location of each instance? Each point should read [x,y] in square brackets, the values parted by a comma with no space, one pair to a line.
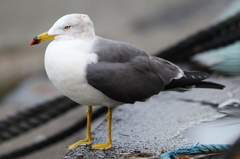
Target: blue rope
[198,149]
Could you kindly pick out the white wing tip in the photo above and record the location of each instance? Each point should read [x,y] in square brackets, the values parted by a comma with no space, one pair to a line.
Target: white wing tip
[180,74]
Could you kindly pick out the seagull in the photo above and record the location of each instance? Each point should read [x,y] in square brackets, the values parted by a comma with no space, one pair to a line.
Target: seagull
[95,71]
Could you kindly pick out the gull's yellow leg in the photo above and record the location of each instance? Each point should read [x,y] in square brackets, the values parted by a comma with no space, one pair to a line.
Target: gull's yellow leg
[88,139]
[107,145]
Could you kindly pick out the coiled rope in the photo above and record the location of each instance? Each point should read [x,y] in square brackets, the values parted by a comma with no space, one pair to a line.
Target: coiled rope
[219,35]
[198,149]
[53,139]
[33,117]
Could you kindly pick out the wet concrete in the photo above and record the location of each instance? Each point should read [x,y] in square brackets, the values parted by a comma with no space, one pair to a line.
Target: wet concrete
[225,130]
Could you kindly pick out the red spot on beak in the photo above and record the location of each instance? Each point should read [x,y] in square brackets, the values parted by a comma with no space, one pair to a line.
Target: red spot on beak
[34,41]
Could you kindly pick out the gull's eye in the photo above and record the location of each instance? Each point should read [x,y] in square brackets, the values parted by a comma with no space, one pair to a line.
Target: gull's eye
[67,27]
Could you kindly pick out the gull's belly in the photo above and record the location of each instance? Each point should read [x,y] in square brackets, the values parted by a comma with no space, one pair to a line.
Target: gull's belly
[68,73]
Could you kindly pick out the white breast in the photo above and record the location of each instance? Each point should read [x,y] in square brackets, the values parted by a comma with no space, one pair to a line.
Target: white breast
[65,64]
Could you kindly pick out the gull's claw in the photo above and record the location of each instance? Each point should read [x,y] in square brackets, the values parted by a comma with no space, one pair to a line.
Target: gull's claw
[102,146]
[85,142]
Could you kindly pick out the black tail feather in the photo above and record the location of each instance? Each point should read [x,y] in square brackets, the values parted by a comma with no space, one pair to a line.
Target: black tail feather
[207,84]
[193,79]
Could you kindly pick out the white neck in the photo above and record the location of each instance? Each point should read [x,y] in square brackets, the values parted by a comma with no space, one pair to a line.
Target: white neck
[82,37]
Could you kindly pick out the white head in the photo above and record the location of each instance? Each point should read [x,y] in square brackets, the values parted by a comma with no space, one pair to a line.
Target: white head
[68,27]
[73,26]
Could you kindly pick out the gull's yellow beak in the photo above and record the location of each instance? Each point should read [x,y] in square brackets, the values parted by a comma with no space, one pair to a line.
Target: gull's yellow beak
[42,37]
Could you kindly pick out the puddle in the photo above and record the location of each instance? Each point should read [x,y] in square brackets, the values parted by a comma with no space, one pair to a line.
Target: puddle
[225,130]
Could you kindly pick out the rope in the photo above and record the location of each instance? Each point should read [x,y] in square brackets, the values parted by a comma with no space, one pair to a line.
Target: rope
[33,117]
[195,150]
[53,139]
[221,34]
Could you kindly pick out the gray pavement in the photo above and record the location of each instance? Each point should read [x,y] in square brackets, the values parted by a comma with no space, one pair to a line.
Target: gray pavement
[149,128]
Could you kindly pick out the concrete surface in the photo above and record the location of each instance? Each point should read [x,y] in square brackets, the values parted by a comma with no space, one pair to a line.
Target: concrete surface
[224,130]
[147,129]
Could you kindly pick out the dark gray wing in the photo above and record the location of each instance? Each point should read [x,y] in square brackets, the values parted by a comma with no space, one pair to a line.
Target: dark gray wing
[115,51]
[136,80]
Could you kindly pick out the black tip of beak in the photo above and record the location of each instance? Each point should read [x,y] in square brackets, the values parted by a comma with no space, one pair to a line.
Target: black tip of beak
[35,41]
